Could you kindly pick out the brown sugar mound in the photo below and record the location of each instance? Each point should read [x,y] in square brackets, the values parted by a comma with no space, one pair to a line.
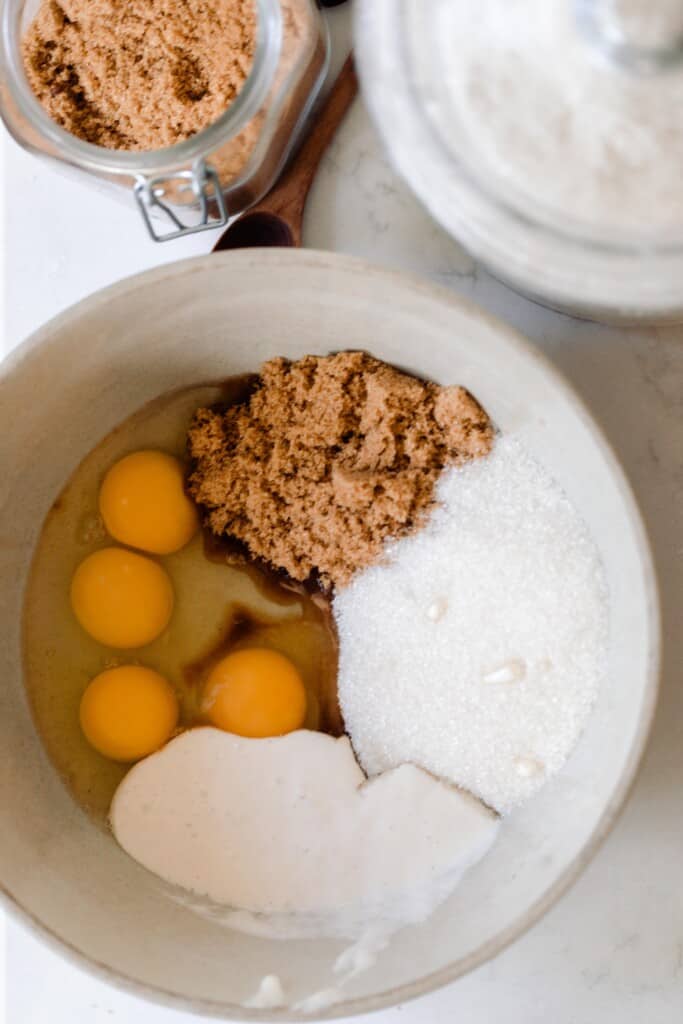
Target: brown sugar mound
[139,74]
[328,458]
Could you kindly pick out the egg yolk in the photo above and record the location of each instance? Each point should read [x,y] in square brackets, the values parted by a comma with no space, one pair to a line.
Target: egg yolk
[256,693]
[143,503]
[120,598]
[128,712]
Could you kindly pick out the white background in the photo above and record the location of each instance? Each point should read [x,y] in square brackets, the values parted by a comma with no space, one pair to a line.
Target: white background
[612,951]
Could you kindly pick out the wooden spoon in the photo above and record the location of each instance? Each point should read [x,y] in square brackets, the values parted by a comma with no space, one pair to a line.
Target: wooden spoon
[277,219]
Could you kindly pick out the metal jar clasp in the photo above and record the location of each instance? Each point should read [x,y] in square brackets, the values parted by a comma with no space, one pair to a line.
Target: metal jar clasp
[198,190]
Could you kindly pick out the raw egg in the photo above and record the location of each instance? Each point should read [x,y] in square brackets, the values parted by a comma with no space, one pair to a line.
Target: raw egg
[255,692]
[128,712]
[143,503]
[120,598]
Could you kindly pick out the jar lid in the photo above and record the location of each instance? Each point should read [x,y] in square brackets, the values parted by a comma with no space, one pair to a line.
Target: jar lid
[545,134]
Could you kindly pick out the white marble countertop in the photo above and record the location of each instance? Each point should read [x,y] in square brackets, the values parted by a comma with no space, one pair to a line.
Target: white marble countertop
[612,950]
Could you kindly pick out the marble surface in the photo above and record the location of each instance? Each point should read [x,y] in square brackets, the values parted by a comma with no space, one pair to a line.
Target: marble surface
[612,950]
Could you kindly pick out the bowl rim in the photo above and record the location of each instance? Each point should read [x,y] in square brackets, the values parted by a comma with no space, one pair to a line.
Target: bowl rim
[403,282]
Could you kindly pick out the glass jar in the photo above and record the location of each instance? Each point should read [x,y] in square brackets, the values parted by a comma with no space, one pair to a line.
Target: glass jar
[221,170]
[545,135]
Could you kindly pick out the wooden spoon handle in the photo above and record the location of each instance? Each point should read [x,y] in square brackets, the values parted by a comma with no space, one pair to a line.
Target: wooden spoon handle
[288,197]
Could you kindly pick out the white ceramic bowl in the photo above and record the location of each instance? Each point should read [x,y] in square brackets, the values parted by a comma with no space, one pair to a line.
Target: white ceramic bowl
[83,373]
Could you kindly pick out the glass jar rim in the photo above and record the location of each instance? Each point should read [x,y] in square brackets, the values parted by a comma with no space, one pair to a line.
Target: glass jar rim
[145,162]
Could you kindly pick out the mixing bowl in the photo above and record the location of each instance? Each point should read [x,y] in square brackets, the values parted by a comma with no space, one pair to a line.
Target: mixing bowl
[198,321]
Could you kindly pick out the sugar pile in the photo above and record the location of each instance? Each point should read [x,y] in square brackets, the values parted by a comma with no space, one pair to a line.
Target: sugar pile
[478,650]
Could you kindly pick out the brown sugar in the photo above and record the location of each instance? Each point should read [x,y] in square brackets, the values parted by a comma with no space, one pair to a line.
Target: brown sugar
[328,458]
[139,74]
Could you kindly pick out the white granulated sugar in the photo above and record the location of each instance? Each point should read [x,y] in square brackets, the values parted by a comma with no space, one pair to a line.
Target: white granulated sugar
[492,693]
[534,101]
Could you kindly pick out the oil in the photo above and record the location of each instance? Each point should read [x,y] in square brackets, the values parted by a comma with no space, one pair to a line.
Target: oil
[222,602]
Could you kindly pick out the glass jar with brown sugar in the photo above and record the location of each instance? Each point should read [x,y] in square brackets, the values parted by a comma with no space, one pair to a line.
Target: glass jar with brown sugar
[192,105]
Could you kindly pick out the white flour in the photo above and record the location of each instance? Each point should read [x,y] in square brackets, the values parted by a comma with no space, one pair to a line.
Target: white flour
[533,105]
